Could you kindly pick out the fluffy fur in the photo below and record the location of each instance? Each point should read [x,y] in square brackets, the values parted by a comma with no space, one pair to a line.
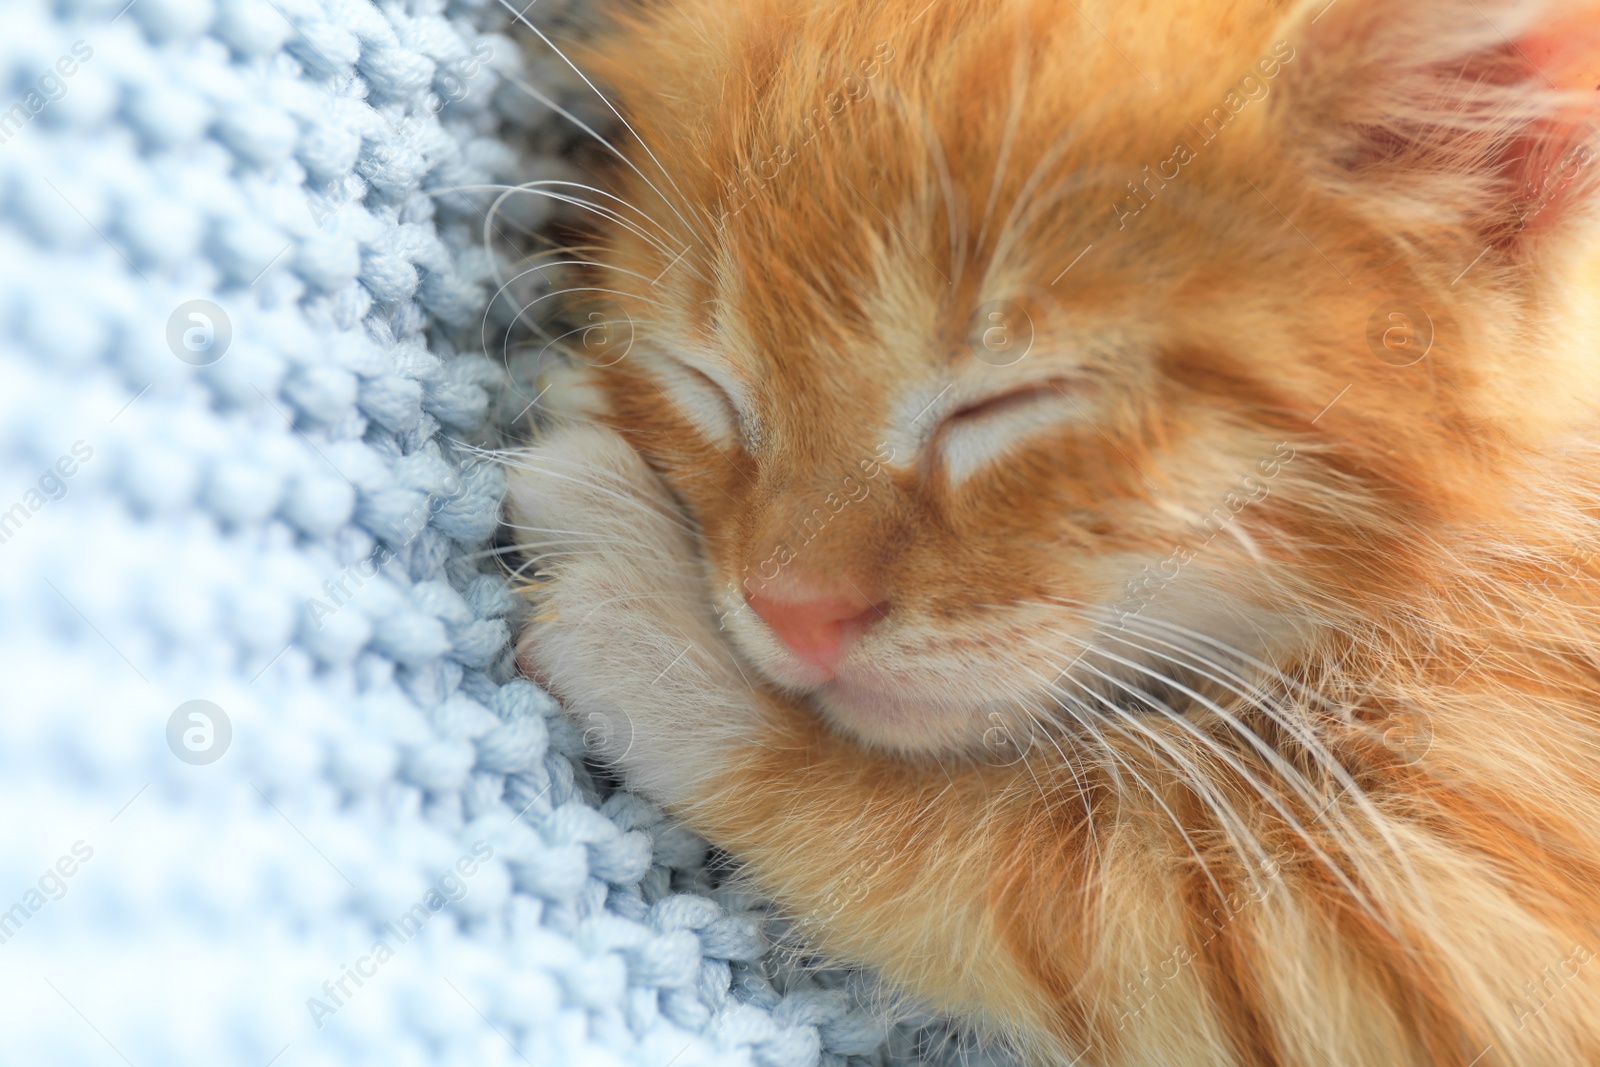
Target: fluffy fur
[1233,695]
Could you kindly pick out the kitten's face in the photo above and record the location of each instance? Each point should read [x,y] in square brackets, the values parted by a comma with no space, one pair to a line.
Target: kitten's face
[996,358]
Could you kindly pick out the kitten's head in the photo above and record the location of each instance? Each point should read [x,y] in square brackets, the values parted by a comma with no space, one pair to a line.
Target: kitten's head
[1012,353]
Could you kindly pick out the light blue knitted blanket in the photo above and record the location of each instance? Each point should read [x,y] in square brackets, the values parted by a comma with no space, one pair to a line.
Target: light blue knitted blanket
[272,791]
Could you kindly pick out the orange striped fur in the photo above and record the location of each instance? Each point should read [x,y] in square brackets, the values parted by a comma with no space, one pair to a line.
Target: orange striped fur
[1234,697]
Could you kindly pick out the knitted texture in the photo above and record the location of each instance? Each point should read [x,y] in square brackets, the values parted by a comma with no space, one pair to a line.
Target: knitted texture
[272,790]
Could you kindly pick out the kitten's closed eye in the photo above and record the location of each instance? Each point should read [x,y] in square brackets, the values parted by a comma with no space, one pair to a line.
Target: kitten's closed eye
[985,430]
[975,432]
[704,402]
[1055,390]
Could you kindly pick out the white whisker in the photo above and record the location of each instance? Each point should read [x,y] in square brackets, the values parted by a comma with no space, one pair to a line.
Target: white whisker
[564,113]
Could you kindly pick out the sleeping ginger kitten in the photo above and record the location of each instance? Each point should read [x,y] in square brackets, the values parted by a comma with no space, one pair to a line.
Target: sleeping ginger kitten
[1096,505]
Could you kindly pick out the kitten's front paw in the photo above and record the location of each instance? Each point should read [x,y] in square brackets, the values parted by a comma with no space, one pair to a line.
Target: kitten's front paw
[623,632]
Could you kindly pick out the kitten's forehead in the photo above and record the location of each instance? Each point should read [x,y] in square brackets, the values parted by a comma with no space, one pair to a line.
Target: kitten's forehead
[808,371]
[948,233]
[865,302]
[910,348]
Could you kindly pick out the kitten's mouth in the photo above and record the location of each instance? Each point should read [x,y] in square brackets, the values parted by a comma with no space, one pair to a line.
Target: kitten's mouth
[876,690]
[892,692]
[864,694]
[949,707]
[897,715]
[889,711]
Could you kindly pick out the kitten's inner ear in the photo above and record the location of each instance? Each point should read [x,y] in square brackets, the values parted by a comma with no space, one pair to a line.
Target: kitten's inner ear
[1568,53]
[1454,112]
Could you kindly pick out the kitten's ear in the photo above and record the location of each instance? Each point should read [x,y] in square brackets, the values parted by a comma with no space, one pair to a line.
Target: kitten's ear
[1451,112]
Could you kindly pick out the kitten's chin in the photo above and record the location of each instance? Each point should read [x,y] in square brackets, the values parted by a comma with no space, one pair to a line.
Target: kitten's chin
[894,718]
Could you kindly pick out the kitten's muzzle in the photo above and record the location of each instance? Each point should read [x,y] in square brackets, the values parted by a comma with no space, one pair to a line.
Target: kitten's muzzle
[819,627]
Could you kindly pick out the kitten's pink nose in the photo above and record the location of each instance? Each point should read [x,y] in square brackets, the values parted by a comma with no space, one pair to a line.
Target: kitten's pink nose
[819,628]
